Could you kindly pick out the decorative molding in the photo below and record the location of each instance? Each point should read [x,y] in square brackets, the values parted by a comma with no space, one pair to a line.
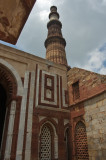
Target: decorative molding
[22,118]
[10,130]
[55,119]
[48,101]
[49,88]
[65,98]
[41,118]
[29,119]
[66,121]
[53,108]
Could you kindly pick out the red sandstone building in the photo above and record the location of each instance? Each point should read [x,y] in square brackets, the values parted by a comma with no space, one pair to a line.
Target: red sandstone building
[49,111]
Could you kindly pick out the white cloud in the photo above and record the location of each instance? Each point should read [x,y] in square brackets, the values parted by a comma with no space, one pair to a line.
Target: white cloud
[98,5]
[44,15]
[44,7]
[47,3]
[103,2]
[44,3]
[102,70]
[61,2]
[96,61]
[84,28]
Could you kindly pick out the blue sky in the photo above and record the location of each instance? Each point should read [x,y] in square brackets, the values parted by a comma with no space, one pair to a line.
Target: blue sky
[84,28]
[96,60]
[103,48]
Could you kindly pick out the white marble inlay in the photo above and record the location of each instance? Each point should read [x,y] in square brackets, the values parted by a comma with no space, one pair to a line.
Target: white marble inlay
[37,89]
[55,119]
[54,109]
[55,89]
[49,82]
[66,121]
[22,118]
[41,118]
[48,93]
[63,94]
[29,120]
[10,130]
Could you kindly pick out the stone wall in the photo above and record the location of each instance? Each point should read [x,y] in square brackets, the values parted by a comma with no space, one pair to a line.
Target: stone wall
[90,84]
[90,107]
[95,119]
[43,102]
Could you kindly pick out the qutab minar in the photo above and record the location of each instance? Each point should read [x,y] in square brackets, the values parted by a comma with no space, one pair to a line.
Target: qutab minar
[55,43]
[47,110]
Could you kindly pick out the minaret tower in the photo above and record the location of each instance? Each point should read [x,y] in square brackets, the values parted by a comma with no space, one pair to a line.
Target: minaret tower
[55,43]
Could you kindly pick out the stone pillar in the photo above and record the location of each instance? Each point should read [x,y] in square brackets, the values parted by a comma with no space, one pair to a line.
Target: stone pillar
[61,142]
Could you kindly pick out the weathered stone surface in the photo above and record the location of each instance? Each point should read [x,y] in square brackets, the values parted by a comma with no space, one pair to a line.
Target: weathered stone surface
[90,84]
[35,107]
[13,15]
[55,43]
[95,119]
[27,69]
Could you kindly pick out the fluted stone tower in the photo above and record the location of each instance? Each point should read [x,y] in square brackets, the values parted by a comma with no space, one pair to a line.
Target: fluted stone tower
[55,43]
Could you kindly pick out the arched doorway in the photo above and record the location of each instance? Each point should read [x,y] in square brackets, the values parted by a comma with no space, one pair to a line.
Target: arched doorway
[3,98]
[81,142]
[8,90]
[11,90]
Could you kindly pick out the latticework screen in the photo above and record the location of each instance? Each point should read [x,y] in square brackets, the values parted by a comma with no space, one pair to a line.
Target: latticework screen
[45,144]
[81,142]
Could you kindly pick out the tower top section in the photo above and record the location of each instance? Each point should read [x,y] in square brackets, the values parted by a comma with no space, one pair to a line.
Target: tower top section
[55,43]
[54,17]
[54,14]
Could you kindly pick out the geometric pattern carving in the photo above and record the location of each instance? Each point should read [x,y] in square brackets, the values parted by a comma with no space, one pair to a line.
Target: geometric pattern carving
[81,142]
[45,150]
[48,89]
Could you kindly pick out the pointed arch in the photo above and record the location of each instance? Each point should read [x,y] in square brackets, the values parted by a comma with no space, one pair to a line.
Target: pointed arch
[11,85]
[81,141]
[48,128]
[10,69]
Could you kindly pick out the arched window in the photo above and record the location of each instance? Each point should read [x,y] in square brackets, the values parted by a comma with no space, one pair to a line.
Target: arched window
[81,142]
[46,143]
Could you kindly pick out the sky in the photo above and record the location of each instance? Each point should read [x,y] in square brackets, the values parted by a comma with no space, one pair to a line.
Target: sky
[83,27]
